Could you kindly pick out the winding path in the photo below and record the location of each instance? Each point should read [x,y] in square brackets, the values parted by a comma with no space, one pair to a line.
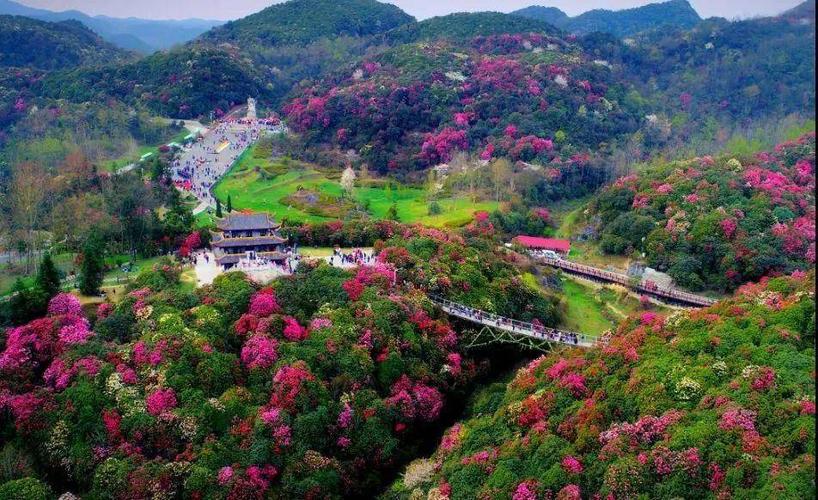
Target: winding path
[513,326]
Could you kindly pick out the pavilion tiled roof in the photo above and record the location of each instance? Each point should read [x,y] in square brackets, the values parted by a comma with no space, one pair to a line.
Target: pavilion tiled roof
[246,222]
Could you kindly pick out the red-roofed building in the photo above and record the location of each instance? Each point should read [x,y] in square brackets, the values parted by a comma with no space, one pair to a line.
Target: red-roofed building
[536,243]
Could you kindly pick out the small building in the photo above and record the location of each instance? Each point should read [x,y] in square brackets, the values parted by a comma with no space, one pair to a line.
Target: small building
[535,243]
[249,236]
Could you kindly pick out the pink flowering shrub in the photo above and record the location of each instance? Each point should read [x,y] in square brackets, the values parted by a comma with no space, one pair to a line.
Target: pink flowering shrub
[64,304]
[160,401]
[415,400]
[571,465]
[263,304]
[293,331]
[259,352]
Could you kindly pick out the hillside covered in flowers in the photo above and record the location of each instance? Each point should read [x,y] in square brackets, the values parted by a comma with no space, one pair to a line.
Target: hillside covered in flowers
[715,403]
[717,222]
[525,96]
[310,388]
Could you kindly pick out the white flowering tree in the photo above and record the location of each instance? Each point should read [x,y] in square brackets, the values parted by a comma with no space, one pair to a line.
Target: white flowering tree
[348,181]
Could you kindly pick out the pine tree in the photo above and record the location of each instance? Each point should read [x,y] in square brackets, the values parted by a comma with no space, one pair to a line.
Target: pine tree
[92,268]
[218,208]
[26,303]
[229,204]
[392,213]
[48,277]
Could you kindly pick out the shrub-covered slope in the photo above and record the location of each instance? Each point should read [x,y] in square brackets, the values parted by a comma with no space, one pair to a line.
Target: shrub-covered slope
[717,222]
[716,403]
[308,389]
[527,96]
[456,82]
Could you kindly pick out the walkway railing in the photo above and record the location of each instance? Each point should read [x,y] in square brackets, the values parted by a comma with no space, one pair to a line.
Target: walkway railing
[621,279]
[512,325]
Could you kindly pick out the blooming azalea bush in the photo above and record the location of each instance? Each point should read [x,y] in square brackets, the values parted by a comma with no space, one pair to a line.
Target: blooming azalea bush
[748,431]
[717,223]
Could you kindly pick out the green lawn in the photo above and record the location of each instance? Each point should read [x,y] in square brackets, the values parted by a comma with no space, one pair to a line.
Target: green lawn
[591,308]
[9,274]
[262,185]
[133,156]
[584,312]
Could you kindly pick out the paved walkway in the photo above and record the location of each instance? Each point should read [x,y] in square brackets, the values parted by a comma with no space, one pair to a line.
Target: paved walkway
[206,269]
[203,163]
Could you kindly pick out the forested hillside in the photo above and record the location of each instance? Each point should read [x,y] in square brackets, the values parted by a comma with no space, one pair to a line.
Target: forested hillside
[300,22]
[716,222]
[28,43]
[186,82]
[674,91]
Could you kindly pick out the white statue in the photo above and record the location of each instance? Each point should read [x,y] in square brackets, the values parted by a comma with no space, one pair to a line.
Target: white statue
[251,108]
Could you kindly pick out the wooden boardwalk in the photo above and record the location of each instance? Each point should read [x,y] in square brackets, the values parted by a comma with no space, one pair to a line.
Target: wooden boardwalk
[514,327]
[671,294]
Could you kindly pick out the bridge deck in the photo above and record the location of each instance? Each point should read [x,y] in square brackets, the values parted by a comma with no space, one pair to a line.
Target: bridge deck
[514,326]
[621,279]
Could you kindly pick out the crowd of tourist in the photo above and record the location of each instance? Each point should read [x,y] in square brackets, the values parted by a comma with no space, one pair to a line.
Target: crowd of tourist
[535,329]
[203,162]
[356,257]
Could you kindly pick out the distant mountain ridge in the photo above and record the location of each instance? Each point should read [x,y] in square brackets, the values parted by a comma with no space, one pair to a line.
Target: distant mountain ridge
[676,13]
[31,43]
[140,35]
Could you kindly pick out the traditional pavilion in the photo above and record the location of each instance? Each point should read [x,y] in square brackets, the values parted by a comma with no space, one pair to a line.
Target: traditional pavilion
[249,236]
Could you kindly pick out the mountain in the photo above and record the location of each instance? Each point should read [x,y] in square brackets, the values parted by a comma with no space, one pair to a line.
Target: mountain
[140,35]
[265,55]
[803,13]
[678,13]
[464,26]
[306,21]
[183,82]
[551,15]
[31,43]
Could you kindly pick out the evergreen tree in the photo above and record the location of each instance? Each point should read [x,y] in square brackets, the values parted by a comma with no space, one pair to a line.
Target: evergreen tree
[229,204]
[26,303]
[218,208]
[93,265]
[179,218]
[48,277]
[392,213]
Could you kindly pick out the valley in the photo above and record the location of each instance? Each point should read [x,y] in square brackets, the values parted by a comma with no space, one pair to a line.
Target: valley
[341,249]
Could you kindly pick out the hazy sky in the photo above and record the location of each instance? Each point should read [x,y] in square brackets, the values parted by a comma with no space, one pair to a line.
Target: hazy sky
[233,9]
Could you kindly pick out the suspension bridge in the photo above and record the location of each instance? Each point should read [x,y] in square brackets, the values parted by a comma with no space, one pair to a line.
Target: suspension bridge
[668,294]
[499,329]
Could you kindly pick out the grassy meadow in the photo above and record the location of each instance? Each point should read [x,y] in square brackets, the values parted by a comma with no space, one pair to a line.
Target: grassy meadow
[299,192]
